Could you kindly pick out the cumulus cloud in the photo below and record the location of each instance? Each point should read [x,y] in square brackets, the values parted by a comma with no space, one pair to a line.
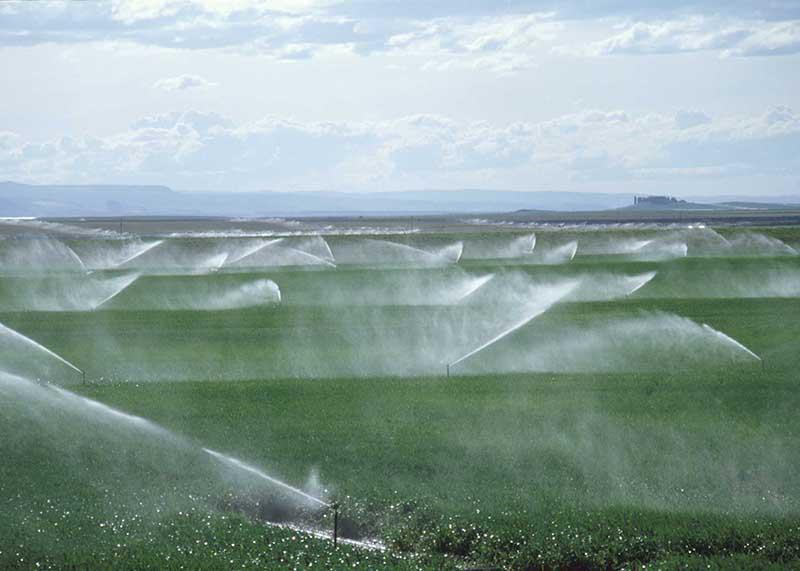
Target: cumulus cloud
[183,82]
[206,150]
[698,33]
[504,43]
[278,28]
[688,119]
[482,35]
[130,11]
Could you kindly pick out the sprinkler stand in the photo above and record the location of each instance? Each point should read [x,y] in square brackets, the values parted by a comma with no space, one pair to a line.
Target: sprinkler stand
[448,370]
[335,506]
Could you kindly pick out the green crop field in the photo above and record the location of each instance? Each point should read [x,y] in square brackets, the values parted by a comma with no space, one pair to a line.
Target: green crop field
[579,397]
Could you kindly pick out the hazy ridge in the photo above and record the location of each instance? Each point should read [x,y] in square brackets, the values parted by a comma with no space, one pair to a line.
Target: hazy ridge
[18,199]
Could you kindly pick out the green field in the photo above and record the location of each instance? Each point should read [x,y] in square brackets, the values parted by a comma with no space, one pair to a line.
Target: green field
[642,412]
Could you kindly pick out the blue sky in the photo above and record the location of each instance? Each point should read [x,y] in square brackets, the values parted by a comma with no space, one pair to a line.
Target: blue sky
[684,97]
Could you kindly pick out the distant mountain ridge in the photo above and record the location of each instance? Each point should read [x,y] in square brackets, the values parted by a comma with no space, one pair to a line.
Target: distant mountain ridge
[17,199]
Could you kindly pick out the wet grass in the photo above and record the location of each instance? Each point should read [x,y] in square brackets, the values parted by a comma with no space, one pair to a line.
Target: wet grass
[526,472]
[680,468]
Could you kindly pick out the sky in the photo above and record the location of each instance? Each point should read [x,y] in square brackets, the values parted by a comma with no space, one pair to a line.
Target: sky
[683,97]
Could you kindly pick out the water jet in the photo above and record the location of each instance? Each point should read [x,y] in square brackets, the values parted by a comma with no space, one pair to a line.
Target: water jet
[30,342]
[731,341]
[231,461]
[544,304]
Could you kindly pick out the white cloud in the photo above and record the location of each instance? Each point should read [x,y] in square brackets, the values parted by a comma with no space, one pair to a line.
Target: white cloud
[183,82]
[687,119]
[777,39]
[131,11]
[483,35]
[288,29]
[504,43]
[698,33]
[200,150]
[277,28]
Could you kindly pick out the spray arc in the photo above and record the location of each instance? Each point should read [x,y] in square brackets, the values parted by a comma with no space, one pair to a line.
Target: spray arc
[546,301]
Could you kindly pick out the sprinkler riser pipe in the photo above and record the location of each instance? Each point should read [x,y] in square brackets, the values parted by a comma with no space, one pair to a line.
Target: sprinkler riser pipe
[335,525]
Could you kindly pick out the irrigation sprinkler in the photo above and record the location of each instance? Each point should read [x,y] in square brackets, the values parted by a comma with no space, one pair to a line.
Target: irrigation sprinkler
[335,506]
[448,370]
[83,376]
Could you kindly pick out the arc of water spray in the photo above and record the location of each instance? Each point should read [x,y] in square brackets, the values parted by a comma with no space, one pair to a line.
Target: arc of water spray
[644,280]
[515,327]
[457,249]
[528,242]
[556,254]
[731,341]
[479,283]
[28,341]
[317,259]
[250,251]
[256,472]
[638,246]
[144,250]
[533,244]
[131,418]
[125,286]
[327,253]
[328,249]
[153,427]
[718,235]
[216,262]
[412,249]
[77,258]
[573,250]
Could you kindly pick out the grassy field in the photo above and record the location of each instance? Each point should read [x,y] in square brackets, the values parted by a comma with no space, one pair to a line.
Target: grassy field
[635,439]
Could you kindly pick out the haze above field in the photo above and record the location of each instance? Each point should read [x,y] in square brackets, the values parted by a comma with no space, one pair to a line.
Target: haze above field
[691,98]
[121,200]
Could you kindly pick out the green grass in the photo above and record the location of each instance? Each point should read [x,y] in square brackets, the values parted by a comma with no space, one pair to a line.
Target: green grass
[487,468]
[669,467]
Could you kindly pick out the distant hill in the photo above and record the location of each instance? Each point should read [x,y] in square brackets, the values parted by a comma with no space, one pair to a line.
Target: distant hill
[115,200]
[650,202]
[744,205]
[18,199]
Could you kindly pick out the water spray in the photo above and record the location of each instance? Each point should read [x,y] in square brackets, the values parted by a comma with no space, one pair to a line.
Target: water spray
[256,472]
[144,249]
[114,294]
[297,491]
[447,254]
[76,257]
[544,306]
[312,257]
[643,280]
[252,250]
[478,284]
[731,341]
[40,347]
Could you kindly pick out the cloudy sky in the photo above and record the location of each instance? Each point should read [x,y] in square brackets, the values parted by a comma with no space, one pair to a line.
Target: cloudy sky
[683,97]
